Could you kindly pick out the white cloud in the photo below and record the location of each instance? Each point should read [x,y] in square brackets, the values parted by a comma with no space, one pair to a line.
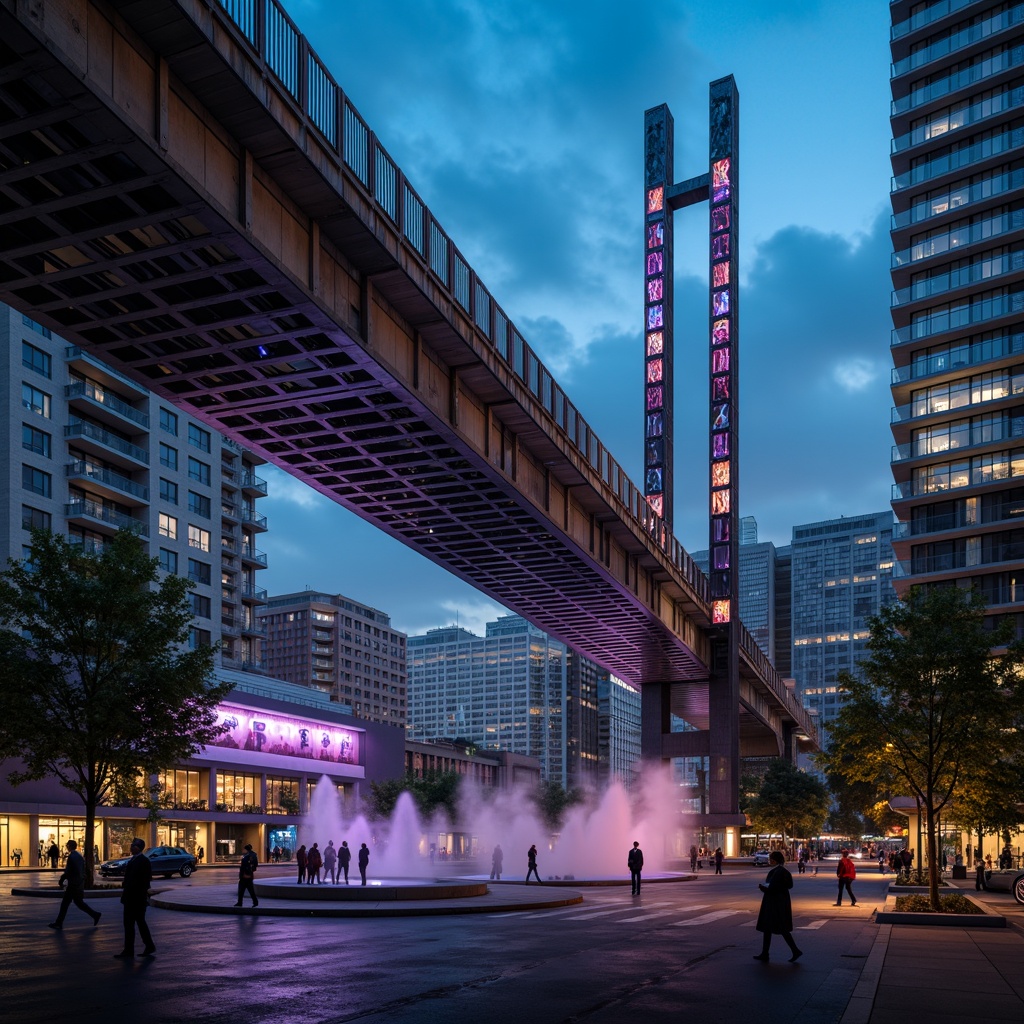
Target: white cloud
[282,487]
[855,374]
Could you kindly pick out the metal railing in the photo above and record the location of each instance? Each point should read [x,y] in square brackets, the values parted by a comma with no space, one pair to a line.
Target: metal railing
[85,508]
[94,433]
[86,389]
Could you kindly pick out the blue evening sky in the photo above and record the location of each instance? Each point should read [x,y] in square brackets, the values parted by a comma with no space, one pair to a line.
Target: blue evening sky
[521,126]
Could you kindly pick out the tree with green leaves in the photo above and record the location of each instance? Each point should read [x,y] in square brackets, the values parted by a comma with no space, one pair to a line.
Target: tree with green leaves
[937,696]
[553,800]
[434,790]
[790,801]
[96,681]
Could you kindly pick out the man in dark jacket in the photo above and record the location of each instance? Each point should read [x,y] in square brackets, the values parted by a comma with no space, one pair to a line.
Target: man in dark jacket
[246,875]
[344,859]
[635,863]
[364,861]
[138,874]
[73,881]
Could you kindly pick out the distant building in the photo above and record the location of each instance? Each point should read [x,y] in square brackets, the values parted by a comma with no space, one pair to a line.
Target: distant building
[339,646]
[89,451]
[763,580]
[514,689]
[489,769]
[842,576]
[619,741]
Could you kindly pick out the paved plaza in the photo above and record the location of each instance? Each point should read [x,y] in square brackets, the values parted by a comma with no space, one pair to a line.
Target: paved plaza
[679,948]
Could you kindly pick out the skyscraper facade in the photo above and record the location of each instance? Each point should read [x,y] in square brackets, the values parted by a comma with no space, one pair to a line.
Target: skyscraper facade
[619,731]
[511,689]
[958,297]
[89,451]
[335,644]
[842,576]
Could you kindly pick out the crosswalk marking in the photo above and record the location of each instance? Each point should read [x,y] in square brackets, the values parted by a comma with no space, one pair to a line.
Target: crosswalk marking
[706,918]
[813,925]
[647,917]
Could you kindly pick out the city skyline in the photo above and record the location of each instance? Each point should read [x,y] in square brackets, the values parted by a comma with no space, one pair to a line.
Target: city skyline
[501,142]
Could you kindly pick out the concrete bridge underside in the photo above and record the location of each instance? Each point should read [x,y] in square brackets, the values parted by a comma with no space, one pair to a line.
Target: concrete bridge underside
[165,204]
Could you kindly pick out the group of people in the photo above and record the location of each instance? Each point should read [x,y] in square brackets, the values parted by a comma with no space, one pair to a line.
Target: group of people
[334,862]
[697,858]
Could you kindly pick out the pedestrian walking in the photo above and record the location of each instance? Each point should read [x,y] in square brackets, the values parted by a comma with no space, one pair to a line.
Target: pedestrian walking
[344,859]
[138,874]
[693,858]
[364,861]
[73,883]
[496,861]
[776,914]
[246,875]
[330,862]
[314,861]
[719,857]
[200,853]
[531,864]
[635,863]
[846,872]
[300,862]
[979,875]
[53,855]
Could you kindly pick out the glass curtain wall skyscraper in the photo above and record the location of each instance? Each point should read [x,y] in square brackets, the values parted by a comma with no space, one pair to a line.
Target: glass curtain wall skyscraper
[958,298]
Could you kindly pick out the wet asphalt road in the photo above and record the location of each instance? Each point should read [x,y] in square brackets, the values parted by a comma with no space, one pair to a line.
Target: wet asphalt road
[680,948]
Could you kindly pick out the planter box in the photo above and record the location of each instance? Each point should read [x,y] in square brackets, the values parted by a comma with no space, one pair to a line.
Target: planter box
[890,915]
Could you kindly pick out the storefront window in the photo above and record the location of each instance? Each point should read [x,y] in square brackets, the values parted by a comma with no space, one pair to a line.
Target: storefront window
[181,788]
[282,795]
[58,831]
[189,835]
[239,793]
[119,836]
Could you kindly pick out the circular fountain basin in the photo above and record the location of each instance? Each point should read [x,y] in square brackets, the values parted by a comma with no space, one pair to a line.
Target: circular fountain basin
[375,890]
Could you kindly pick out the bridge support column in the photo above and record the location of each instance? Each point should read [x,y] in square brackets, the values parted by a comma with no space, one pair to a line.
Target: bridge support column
[655,720]
[724,725]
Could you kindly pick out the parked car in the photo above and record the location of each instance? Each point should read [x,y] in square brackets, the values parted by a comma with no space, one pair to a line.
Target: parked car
[1007,880]
[166,860]
[761,858]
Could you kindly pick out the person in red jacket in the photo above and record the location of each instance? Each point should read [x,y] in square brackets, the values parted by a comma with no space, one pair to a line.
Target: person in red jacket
[846,872]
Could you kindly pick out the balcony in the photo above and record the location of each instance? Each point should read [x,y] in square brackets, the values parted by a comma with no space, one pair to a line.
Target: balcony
[254,519]
[229,511]
[958,357]
[975,72]
[103,404]
[229,624]
[967,313]
[251,593]
[983,229]
[956,200]
[106,445]
[255,485]
[101,479]
[94,514]
[987,267]
[927,16]
[89,365]
[253,628]
[924,450]
[250,554]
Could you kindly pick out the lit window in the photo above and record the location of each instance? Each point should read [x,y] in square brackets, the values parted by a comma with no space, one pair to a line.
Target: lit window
[35,400]
[168,526]
[198,538]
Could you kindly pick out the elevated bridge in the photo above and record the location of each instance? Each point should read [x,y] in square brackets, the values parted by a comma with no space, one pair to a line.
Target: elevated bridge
[187,193]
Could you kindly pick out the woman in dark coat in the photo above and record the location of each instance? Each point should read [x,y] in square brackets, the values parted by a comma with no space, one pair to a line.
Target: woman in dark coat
[300,860]
[776,914]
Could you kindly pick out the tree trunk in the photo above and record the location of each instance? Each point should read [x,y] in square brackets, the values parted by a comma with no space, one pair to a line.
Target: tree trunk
[90,832]
[933,860]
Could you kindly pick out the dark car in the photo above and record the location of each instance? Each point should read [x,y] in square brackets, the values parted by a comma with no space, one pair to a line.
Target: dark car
[1007,880]
[166,860]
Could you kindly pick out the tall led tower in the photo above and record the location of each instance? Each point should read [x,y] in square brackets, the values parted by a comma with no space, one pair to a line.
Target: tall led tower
[719,188]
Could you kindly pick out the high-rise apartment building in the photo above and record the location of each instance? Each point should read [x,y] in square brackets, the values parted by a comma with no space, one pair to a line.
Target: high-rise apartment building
[89,451]
[958,297]
[512,689]
[842,576]
[619,731]
[332,643]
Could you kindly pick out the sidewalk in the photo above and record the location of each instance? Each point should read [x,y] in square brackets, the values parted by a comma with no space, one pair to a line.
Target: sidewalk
[941,975]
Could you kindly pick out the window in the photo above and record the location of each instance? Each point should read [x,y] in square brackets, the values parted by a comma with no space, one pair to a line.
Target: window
[198,638]
[168,456]
[198,438]
[199,504]
[168,527]
[199,471]
[198,538]
[36,481]
[36,359]
[33,440]
[199,572]
[168,560]
[168,491]
[39,328]
[34,518]
[200,605]
[35,400]
[169,421]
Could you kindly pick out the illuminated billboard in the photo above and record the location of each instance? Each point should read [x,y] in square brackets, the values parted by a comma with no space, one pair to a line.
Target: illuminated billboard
[266,732]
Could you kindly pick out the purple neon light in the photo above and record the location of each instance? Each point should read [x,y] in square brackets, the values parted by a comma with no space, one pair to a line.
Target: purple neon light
[720,275]
[654,370]
[655,263]
[721,219]
[654,316]
[656,235]
[655,343]
[655,287]
[720,360]
[720,446]
[655,398]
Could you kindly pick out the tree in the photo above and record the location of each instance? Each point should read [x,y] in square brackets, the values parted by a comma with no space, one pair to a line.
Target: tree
[933,700]
[791,802]
[96,683]
[552,801]
[432,791]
